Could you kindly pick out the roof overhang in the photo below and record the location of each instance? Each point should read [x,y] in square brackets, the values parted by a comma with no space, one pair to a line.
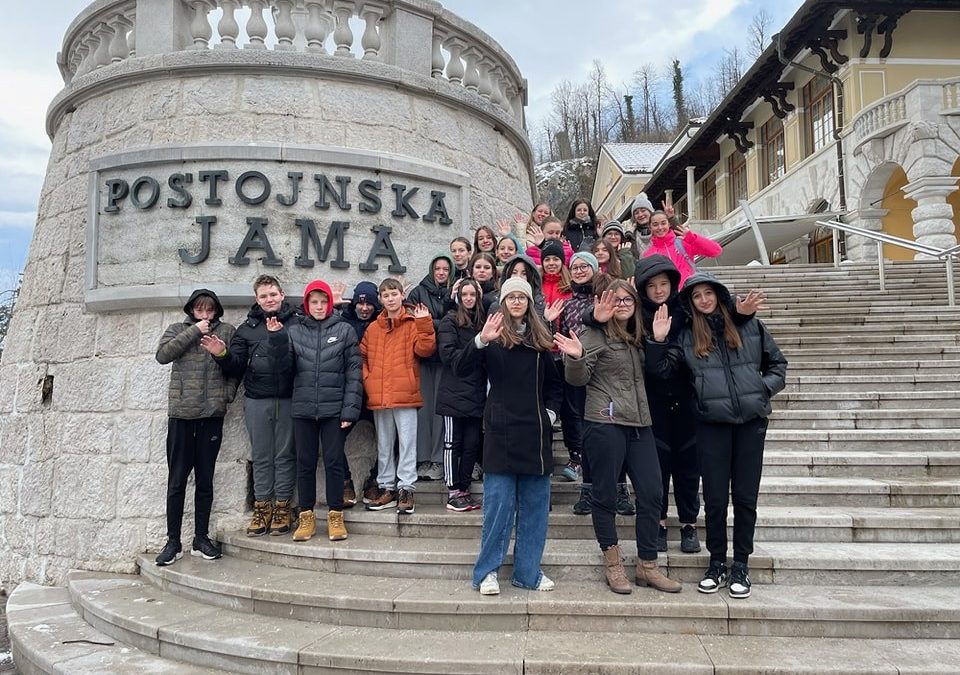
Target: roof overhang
[740,245]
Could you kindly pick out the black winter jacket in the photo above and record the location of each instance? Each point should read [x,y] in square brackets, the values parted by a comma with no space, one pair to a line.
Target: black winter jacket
[524,384]
[731,386]
[437,300]
[249,356]
[459,395]
[326,358]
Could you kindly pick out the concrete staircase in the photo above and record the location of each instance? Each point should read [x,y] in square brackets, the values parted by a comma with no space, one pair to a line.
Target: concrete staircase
[856,568]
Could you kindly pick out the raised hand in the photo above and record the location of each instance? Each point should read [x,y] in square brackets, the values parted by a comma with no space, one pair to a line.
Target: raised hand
[420,311]
[492,328]
[553,310]
[273,324]
[753,303]
[603,306]
[535,234]
[661,324]
[681,229]
[337,288]
[667,207]
[519,218]
[504,227]
[213,344]
[204,326]
[568,345]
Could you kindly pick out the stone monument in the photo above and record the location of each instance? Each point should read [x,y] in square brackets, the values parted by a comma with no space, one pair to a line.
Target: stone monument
[201,143]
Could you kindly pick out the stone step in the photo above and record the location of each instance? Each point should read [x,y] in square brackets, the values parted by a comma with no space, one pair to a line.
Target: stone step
[877,382]
[862,464]
[905,342]
[774,523]
[778,490]
[918,418]
[866,400]
[933,440]
[839,563]
[48,635]
[239,641]
[857,353]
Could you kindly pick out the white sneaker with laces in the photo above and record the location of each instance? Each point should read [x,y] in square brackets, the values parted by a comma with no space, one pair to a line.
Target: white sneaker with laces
[546,583]
[490,585]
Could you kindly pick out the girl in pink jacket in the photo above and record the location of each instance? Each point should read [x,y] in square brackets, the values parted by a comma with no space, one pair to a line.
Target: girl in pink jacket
[680,244]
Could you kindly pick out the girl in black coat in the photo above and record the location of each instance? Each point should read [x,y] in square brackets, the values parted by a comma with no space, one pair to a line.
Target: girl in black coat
[460,398]
[734,371]
[514,348]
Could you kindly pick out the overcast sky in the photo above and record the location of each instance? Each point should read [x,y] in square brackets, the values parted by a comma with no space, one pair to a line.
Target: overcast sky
[550,41]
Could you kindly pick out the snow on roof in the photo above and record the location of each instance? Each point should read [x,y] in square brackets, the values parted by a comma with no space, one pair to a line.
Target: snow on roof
[636,157]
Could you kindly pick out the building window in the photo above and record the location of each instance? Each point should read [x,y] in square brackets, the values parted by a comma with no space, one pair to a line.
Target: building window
[774,153]
[736,179]
[708,197]
[818,102]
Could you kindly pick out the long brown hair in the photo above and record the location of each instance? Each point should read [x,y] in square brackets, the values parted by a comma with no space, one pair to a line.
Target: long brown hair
[476,239]
[537,336]
[703,336]
[613,265]
[470,318]
[564,284]
[630,331]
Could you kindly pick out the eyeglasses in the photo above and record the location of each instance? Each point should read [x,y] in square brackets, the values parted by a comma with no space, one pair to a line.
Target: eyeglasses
[515,299]
[580,268]
[625,301]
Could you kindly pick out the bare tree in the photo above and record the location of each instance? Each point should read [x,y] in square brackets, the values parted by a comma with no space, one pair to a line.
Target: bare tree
[757,33]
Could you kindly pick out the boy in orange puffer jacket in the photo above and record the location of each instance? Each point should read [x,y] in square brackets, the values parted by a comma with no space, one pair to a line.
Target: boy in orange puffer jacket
[390,349]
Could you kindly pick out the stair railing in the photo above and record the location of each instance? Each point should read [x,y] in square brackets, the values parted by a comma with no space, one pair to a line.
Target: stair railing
[881,238]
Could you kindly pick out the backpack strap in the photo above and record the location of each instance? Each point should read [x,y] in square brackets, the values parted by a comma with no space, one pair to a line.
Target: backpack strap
[678,244]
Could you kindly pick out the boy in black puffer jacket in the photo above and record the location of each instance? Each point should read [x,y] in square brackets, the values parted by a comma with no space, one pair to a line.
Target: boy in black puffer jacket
[327,392]
[266,406]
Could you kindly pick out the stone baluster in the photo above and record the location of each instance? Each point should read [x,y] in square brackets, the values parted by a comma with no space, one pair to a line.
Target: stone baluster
[83,56]
[455,68]
[132,36]
[933,217]
[437,64]
[318,25]
[342,35]
[498,95]
[471,77]
[483,67]
[118,45]
[228,27]
[256,25]
[285,27]
[103,34]
[370,41]
[200,31]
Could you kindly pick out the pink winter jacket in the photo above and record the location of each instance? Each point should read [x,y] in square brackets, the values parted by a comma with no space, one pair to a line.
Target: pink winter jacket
[694,244]
[533,252]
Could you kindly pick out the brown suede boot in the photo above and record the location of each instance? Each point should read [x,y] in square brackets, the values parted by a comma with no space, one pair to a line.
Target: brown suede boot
[649,574]
[281,518]
[262,516]
[616,577]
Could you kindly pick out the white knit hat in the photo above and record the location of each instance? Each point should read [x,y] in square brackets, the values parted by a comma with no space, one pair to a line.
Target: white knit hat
[515,284]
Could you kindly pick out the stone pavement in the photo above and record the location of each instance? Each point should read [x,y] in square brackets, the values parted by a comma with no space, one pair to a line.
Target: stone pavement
[855,571]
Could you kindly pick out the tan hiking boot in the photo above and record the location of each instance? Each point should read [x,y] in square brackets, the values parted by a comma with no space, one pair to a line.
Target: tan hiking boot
[281,518]
[307,527]
[262,516]
[649,574]
[336,530]
[616,576]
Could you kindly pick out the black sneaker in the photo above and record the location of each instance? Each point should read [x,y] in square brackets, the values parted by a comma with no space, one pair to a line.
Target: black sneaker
[583,507]
[739,585]
[662,539]
[689,542]
[715,578]
[625,505]
[460,502]
[204,548]
[171,553]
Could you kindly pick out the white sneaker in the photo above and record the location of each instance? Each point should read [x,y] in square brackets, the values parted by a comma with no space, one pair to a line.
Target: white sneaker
[490,585]
[546,583]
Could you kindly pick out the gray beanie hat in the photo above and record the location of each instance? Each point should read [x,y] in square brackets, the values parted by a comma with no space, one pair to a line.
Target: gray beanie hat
[586,257]
[641,202]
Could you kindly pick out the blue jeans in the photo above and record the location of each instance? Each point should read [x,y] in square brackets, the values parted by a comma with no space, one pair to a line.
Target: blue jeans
[510,498]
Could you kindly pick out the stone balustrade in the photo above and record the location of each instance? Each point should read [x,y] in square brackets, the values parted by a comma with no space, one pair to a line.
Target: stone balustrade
[885,115]
[951,96]
[413,35]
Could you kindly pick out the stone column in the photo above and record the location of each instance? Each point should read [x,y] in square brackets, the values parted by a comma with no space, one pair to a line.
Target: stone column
[162,26]
[407,41]
[933,217]
[861,249]
[693,202]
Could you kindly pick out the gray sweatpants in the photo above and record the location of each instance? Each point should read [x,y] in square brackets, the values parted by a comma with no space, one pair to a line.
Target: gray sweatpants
[429,424]
[392,424]
[271,441]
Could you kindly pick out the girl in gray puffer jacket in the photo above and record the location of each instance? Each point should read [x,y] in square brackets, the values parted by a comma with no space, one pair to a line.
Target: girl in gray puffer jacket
[734,370]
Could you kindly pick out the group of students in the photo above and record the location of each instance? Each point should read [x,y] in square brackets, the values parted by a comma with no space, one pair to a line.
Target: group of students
[475,365]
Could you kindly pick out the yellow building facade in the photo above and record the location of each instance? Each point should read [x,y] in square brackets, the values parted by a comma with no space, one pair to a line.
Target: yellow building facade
[852,111]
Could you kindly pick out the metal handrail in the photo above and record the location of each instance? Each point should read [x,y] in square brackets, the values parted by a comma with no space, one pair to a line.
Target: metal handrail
[881,238]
